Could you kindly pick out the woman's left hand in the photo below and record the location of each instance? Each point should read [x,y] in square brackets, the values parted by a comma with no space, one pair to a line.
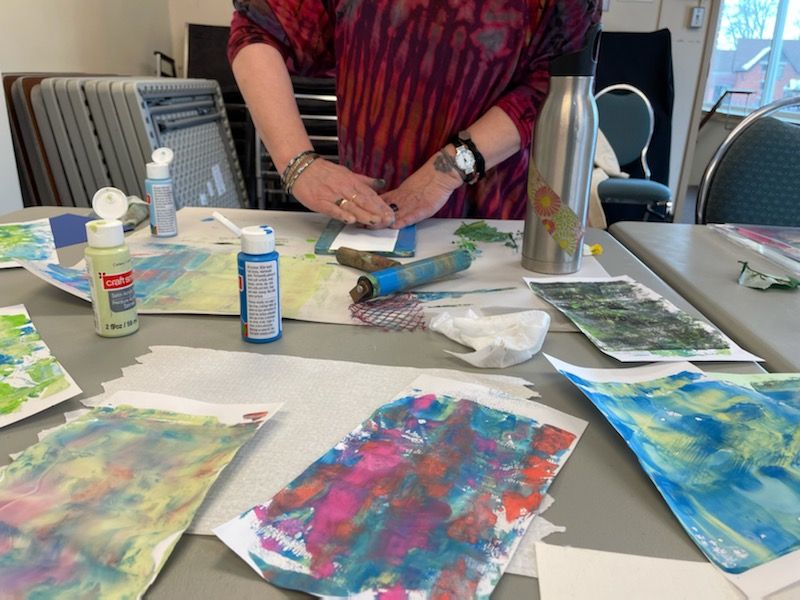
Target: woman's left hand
[423,193]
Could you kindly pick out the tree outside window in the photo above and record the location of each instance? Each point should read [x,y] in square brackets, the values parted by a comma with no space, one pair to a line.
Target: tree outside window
[758,50]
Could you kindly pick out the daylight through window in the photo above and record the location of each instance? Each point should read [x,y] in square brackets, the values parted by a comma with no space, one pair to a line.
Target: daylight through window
[756,55]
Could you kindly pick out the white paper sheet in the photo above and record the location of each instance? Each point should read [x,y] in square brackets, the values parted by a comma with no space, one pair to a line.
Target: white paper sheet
[17,375]
[567,573]
[369,240]
[316,413]
[730,352]
[28,240]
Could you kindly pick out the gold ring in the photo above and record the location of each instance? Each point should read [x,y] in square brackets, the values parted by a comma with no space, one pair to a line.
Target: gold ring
[341,202]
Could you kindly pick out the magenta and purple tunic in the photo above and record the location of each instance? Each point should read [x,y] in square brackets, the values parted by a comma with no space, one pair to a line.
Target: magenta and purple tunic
[411,73]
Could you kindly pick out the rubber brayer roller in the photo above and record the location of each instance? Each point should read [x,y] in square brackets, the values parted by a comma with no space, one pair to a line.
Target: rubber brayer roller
[404,277]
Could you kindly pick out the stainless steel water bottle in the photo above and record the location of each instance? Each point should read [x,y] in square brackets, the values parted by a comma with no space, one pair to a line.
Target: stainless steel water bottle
[560,171]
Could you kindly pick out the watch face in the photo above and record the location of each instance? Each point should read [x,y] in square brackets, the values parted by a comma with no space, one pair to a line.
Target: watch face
[465,160]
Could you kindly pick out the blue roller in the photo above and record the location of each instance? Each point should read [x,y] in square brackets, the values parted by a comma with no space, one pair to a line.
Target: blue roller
[404,277]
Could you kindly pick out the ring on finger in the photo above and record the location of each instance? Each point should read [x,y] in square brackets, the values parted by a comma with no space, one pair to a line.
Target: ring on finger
[341,202]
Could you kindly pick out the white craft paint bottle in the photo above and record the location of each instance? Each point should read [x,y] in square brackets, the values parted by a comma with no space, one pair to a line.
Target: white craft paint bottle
[259,286]
[160,194]
[108,263]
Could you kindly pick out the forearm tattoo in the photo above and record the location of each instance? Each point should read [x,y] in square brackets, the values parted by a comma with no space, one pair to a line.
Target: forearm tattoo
[444,162]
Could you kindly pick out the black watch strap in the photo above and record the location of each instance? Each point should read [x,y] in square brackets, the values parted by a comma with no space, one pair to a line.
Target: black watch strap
[462,138]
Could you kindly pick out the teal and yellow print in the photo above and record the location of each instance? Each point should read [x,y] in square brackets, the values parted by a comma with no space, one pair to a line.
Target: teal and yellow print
[724,454]
[32,241]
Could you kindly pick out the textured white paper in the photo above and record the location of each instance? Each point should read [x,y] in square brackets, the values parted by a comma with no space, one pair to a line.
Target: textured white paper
[370,240]
[524,560]
[567,573]
[323,401]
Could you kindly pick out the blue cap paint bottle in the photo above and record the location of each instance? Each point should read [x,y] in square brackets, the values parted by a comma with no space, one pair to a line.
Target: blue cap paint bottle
[259,286]
[160,194]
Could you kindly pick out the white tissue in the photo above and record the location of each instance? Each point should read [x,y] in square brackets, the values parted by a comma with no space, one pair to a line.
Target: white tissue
[499,340]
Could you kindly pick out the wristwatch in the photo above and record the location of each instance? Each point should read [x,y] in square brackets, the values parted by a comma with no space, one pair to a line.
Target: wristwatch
[468,160]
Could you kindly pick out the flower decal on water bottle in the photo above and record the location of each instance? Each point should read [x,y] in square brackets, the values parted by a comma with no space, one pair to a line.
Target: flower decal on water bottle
[546,202]
[559,220]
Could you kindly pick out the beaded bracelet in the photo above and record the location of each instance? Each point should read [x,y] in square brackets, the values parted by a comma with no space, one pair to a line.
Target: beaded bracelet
[295,167]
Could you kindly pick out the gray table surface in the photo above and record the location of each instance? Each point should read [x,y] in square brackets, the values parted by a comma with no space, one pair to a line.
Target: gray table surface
[603,497]
[702,266]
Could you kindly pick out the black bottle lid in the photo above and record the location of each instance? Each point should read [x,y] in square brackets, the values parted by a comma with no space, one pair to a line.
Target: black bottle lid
[581,63]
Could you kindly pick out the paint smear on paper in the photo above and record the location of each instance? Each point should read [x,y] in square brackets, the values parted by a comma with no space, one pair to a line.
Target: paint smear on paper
[94,508]
[31,379]
[468,234]
[427,498]
[726,457]
[187,279]
[31,241]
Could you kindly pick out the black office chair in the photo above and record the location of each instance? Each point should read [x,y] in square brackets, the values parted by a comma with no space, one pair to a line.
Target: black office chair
[626,119]
[754,177]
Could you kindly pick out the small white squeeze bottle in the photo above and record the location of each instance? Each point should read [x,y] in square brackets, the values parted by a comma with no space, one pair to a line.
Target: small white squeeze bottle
[259,286]
[108,263]
[160,196]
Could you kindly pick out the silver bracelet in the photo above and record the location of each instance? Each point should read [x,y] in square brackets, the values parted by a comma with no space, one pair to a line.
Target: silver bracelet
[297,170]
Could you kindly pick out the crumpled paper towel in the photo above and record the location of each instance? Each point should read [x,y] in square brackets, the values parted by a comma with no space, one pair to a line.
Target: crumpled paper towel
[499,340]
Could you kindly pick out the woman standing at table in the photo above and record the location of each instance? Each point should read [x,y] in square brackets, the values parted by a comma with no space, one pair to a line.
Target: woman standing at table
[436,99]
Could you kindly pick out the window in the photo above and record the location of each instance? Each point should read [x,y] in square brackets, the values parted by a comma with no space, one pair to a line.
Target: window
[757,50]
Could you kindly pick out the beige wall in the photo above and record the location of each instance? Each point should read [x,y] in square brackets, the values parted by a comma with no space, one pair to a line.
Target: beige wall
[687,55]
[199,12]
[95,36]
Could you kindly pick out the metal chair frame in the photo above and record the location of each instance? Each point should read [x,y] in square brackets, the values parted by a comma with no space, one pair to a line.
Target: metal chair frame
[636,91]
[713,165]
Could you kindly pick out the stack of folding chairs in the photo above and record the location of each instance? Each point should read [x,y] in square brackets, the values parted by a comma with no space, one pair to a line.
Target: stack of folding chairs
[73,135]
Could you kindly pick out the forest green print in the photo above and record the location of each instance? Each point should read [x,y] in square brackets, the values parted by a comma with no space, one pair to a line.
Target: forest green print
[624,316]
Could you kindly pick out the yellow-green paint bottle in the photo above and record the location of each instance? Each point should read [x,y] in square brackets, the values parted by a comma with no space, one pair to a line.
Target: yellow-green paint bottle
[108,263]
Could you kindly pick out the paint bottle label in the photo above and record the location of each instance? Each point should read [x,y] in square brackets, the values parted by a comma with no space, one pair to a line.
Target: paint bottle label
[113,297]
[163,220]
[261,309]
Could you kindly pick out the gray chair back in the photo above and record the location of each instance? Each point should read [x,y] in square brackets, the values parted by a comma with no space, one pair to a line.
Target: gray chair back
[626,119]
[754,177]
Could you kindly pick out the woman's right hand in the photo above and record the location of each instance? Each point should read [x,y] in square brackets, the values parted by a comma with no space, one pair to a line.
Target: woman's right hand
[336,191]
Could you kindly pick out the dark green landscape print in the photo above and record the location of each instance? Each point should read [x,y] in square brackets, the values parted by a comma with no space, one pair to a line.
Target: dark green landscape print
[621,315]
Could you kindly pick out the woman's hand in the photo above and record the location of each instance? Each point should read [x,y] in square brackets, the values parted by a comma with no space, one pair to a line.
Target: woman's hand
[336,191]
[424,192]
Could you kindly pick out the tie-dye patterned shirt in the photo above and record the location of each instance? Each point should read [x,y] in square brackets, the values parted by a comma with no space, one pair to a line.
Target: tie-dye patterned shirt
[411,73]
